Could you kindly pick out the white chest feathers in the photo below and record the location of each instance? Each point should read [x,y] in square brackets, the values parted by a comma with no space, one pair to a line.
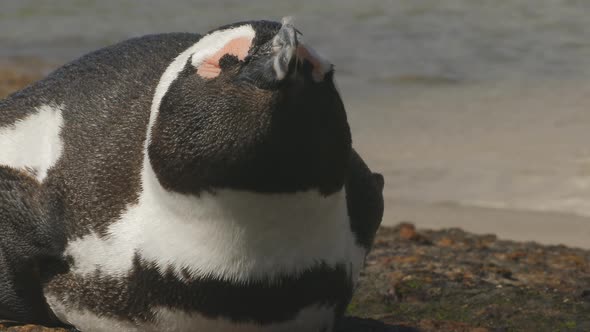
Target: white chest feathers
[229,235]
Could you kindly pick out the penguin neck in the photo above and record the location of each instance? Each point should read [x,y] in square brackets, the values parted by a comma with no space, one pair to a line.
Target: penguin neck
[232,199]
[241,235]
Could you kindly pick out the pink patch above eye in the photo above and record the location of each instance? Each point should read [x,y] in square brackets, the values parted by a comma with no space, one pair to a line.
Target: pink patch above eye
[239,47]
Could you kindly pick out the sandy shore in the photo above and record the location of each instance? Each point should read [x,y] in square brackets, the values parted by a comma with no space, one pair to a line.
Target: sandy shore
[18,72]
[542,227]
[516,147]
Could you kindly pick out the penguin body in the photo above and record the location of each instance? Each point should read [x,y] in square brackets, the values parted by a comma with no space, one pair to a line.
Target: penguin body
[192,183]
[30,249]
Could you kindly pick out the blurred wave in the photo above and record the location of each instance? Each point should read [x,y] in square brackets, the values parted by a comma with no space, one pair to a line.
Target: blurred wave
[463,39]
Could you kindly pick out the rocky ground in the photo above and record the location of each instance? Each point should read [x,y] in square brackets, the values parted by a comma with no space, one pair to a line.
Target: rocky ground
[448,280]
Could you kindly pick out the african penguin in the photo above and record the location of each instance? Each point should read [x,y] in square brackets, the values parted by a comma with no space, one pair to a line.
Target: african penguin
[179,182]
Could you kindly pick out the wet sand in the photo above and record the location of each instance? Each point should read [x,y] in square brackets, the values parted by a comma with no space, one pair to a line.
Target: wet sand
[18,72]
[512,160]
[542,227]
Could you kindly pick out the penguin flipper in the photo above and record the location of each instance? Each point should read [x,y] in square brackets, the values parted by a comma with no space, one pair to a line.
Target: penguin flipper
[364,198]
[26,242]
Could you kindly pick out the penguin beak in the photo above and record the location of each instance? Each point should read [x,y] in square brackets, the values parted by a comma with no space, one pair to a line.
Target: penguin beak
[284,48]
[284,61]
[290,54]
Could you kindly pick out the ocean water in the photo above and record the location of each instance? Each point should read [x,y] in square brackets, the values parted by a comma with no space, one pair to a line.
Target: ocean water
[473,102]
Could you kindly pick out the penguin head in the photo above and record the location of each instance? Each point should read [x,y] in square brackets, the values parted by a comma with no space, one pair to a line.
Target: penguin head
[249,107]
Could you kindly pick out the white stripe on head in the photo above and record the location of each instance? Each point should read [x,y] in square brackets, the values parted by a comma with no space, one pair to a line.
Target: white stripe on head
[204,48]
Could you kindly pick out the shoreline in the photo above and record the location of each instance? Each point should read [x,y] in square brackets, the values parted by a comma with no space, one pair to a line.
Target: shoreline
[18,72]
[543,227]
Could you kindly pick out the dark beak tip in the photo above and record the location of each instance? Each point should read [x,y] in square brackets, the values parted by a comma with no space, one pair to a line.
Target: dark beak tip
[285,46]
